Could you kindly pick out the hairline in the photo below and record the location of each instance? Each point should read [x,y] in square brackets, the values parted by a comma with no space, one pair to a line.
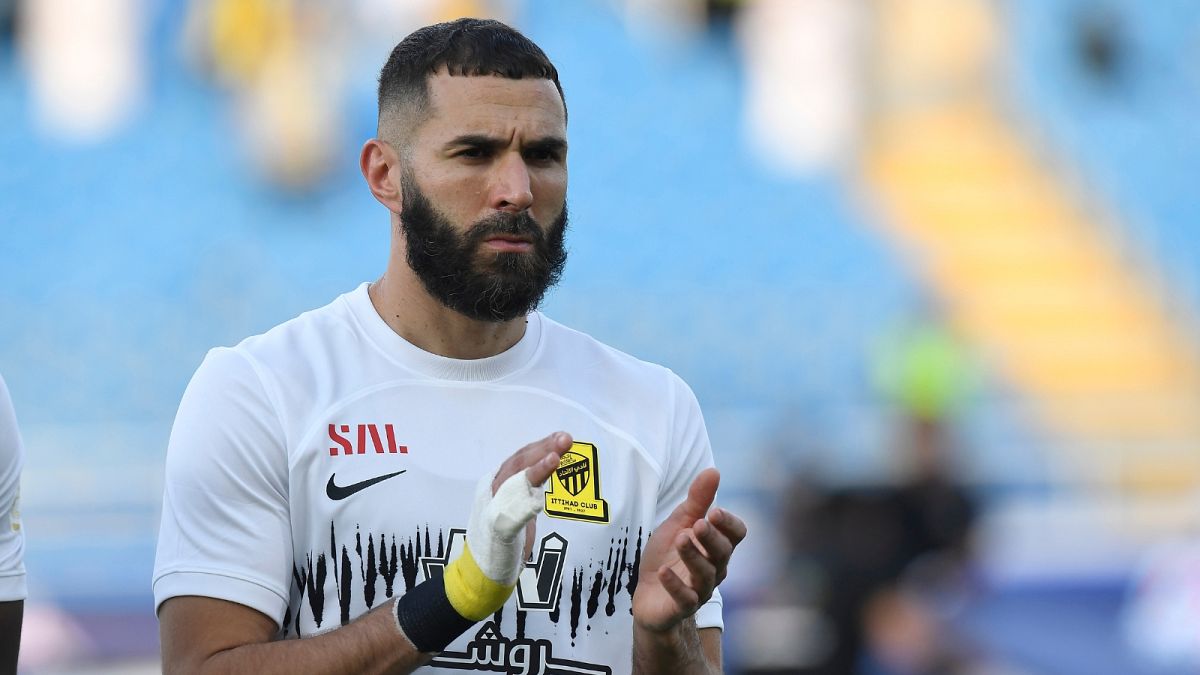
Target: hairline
[419,108]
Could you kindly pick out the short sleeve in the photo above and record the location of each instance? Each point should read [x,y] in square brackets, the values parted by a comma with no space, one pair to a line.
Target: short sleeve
[225,530]
[12,536]
[689,454]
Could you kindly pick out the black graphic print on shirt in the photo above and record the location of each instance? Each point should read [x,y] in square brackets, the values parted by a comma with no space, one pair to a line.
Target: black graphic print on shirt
[372,567]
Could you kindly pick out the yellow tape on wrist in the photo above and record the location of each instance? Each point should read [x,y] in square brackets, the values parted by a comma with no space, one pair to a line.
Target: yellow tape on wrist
[470,591]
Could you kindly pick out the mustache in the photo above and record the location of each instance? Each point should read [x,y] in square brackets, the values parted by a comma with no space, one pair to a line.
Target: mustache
[512,224]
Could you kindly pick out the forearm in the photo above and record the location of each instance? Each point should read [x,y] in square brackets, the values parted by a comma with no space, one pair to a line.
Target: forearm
[11,613]
[675,651]
[209,635]
[370,644]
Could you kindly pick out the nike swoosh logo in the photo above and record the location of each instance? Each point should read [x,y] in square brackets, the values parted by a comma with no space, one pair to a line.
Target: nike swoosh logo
[337,492]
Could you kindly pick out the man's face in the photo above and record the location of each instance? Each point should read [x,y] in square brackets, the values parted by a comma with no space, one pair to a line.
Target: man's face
[467,274]
[484,194]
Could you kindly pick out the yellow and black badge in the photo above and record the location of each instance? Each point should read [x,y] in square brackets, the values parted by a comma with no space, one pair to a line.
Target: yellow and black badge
[574,492]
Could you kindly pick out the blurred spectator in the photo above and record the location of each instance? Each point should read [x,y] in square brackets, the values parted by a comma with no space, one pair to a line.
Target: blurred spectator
[1100,43]
[875,560]
[284,65]
[924,369]
[803,94]
[12,538]
[282,62]
[9,19]
[933,515]
[87,61]
[879,562]
[243,35]
[720,14]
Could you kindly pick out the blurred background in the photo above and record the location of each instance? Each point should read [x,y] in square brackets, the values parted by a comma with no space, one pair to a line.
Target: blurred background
[931,266]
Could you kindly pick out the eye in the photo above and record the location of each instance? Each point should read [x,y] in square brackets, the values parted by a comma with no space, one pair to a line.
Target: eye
[474,153]
[542,156]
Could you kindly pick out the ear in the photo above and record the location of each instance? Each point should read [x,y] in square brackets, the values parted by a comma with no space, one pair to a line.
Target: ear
[380,166]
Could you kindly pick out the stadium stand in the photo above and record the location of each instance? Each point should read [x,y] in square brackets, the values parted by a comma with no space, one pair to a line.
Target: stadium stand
[127,259]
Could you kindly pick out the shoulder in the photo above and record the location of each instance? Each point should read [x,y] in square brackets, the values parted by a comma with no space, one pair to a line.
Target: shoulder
[584,356]
[311,335]
[615,384]
[302,354]
[271,376]
[6,407]
[10,437]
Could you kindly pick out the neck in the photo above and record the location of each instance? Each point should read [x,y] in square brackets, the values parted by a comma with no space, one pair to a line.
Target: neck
[402,301]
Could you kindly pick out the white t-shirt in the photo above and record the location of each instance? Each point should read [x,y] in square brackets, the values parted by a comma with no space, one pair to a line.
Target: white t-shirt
[12,537]
[319,469]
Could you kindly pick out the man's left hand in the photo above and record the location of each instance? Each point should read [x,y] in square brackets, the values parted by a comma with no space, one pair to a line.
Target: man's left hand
[686,558]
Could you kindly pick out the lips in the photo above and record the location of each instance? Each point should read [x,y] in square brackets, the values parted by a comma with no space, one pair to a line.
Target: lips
[509,243]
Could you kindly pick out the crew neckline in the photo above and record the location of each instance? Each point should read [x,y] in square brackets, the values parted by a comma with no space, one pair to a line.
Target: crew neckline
[436,366]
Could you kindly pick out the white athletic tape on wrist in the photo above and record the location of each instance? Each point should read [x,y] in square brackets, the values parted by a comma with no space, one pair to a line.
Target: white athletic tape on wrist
[482,577]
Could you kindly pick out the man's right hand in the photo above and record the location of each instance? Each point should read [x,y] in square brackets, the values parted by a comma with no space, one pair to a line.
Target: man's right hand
[538,460]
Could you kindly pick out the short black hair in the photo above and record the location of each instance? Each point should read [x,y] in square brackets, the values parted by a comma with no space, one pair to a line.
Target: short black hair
[464,47]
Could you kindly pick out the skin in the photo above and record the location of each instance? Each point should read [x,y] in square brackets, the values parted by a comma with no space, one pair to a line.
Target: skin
[490,144]
[467,181]
[11,614]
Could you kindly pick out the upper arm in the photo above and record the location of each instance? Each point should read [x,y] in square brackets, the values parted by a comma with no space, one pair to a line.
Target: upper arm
[12,537]
[710,644]
[226,493]
[193,628]
[689,450]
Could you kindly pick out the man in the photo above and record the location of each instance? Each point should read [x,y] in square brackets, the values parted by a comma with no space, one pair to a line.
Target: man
[320,476]
[12,538]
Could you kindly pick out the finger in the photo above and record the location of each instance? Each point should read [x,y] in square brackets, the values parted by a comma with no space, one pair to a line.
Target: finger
[546,456]
[701,570]
[715,545]
[528,457]
[730,525]
[684,596]
[700,497]
[695,538]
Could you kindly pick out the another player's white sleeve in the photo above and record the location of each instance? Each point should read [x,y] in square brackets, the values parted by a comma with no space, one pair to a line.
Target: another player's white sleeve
[12,537]
[226,529]
[689,454]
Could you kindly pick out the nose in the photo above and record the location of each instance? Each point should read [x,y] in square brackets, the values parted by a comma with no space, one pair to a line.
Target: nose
[511,190]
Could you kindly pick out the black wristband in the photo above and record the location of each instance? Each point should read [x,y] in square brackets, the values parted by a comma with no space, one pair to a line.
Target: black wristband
[426,617]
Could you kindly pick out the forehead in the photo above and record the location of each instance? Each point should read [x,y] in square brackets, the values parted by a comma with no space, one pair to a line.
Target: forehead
[493,105]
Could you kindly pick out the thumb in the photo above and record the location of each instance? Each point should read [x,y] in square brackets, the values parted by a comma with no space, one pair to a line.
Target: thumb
[699,499]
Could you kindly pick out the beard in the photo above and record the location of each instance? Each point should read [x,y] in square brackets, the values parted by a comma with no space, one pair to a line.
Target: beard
[459,272]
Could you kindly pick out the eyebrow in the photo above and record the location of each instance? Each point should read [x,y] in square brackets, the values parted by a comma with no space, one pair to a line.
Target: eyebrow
[554,144]
[551,144]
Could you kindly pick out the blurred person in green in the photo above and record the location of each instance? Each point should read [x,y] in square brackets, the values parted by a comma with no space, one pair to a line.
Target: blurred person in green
[874,560]
[924,370]
[928,375]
